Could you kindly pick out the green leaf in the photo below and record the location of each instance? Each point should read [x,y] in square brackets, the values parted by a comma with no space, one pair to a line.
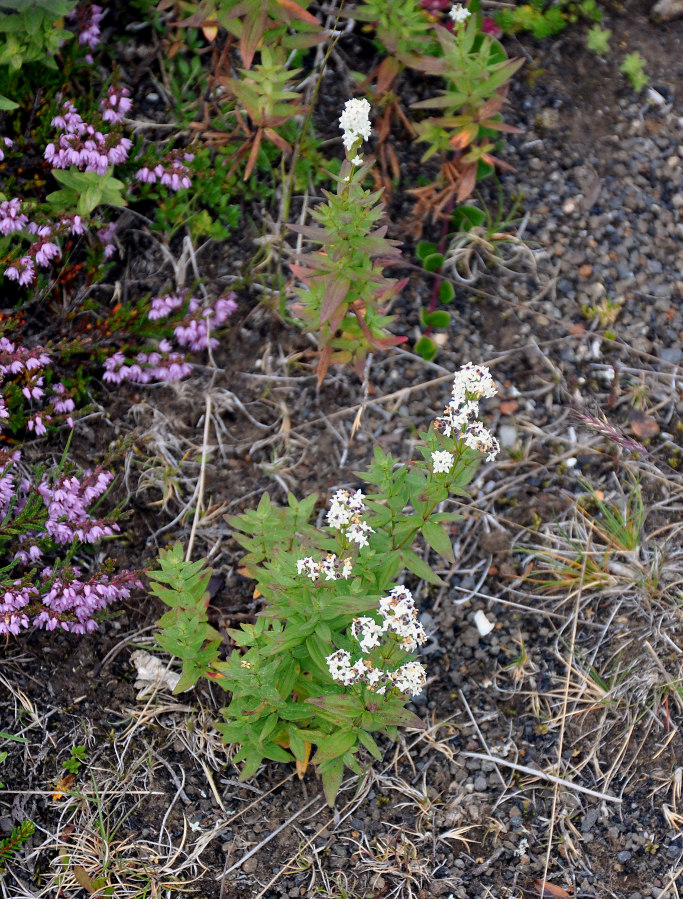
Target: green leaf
[332,778]
[597,40]
[296,743]
[446,293]
[425,248]
[437,319]
[426,348]
[633,68]
[335,746]
[369,742]
[433,262]
[438,539]
[467,217]
[7,104]
[419,567]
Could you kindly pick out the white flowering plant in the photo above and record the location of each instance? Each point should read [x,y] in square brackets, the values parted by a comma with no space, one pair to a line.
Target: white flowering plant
[344,290]
[331,660]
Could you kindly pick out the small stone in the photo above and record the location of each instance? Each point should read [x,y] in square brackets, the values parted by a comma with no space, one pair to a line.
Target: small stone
[623,856]
[507,434]
[672,354]
[586,270]
[250,866]
[480,784]
[470,637]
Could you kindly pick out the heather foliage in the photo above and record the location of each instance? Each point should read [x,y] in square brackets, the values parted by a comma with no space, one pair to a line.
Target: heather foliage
[331,661]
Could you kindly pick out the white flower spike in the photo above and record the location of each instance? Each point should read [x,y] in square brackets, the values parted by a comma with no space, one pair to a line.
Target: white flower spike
[459,13]
[355,122]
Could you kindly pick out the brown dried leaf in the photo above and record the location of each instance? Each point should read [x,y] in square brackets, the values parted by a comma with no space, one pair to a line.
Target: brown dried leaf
[643,425]
[549,889]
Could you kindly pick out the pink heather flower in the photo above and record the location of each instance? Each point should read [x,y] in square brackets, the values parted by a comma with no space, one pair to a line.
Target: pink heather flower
[171,171]
[163,306]
[90,19]
[8,143]
[36,423]
[146,175]
[22,271]
[34,390]
[115,105]
[11,217]
[194,331]
[106,236]
[46,252]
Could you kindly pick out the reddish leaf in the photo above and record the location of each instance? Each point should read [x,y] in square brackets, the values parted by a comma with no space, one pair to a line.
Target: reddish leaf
[492,107]
[334,295]
[387,71]
[468,179]
[298,12]
[253,153]
[464,137]
[323,364]
[549,889]
[278,140]
[84,879]
[251,35]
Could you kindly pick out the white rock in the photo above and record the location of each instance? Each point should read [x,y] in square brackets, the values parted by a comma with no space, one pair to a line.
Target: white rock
[484,626]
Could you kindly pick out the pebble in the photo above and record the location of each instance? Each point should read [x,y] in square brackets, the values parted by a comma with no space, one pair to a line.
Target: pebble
[672,354]
[623,856]
[507,435]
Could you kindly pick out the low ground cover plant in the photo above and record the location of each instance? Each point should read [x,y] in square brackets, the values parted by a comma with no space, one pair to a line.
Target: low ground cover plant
[330,661]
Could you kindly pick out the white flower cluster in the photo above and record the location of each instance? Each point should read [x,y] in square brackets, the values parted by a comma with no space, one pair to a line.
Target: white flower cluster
[459,13]
[442,461]
[471,384]
[400,618]
[355,123]
[332,567]
[409,678]
[345,514]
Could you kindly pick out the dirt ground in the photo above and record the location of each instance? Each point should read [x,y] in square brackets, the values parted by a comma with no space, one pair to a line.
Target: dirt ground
[553,748]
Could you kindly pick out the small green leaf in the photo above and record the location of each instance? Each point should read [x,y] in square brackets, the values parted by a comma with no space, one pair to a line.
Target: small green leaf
[437,319]
[467,217]
[335,746]
[425,248]
[597,40]
[433,262]
[419,567]
[332,778]
[7,104]
[446,292]
[633,68]
[438,539]
[426,348]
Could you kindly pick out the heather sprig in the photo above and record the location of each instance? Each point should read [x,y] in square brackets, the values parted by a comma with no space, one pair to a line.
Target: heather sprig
[185,323]
[29,399]
[83,156]
[331,659]
[344,288]
[45,519]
